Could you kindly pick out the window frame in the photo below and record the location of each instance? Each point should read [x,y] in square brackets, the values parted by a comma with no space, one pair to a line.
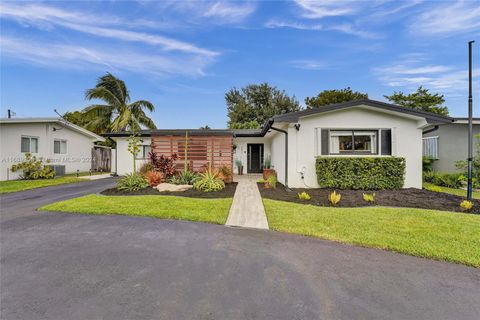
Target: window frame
[355,152]
[60,140]
[145,156]
[29,143]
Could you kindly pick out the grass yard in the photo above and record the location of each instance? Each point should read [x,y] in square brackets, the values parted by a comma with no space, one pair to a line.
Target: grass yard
[21,185]
[457,192]
[439,235]
[166,207]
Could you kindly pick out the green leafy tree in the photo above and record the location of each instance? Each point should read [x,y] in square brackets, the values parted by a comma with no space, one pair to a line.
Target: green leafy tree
[117,113]
[251,106]
[327,97]
[421,100]
[134,145]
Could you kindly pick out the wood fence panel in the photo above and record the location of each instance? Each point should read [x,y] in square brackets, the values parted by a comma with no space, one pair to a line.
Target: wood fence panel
[198,150]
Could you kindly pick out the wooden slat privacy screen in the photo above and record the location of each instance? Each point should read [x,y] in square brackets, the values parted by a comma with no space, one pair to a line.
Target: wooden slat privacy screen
[201,150]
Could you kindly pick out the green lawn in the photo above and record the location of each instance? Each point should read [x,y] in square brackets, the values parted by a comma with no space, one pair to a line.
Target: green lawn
[21,185]
[166,207]
[432,234]
[457,192]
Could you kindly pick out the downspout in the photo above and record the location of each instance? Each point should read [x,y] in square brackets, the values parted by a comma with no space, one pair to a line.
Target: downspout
[286,150]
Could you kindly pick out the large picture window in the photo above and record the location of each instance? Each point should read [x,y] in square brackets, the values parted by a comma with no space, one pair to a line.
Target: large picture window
[29,144]
[353,142]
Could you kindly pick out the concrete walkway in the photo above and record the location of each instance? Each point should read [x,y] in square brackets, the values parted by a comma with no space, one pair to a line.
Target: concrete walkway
[247,208]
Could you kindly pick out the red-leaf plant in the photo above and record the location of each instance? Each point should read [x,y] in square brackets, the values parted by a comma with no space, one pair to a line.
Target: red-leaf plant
[164,164]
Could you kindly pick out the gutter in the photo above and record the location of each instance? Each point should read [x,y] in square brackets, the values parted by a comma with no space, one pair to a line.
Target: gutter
[435,128]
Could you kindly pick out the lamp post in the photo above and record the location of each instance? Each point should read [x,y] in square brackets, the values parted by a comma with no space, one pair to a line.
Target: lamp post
[470,120]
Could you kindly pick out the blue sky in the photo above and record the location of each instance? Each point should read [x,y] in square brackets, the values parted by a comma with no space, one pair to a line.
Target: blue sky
[184,56]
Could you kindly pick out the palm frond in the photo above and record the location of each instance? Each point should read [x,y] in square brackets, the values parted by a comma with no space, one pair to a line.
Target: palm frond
[143,104]
[105,94]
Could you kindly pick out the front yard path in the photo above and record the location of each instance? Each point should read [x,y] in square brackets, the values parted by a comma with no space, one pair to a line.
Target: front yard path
[247,208]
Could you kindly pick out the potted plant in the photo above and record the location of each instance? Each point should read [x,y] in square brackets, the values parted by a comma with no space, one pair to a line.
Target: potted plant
[239,165]
[267,168]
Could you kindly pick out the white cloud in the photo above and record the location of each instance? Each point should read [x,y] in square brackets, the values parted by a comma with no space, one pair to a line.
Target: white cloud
[343,28]
[449,18]
[293,25]
[46,16]
[113,59]
[230,11]
[308,64]
[326,8]
[410,74]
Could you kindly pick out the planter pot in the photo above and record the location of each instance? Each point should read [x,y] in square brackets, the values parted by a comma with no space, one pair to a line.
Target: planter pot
[267,173]
[240,170]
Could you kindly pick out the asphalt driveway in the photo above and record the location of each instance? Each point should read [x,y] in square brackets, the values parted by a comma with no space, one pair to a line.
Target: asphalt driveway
[71,266]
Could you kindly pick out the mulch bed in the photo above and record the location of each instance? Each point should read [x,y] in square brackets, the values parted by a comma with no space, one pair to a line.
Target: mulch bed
[410,198]
[228,192]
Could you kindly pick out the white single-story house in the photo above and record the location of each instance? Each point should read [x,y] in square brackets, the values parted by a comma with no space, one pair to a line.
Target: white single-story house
[67,146]
[448,143]
[292,141]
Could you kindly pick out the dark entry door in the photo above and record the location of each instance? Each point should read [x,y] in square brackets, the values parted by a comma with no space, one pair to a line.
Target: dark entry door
[255,158]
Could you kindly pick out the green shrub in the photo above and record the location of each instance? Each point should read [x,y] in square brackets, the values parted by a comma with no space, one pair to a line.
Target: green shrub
[209,181]
[304,196]
[33,168]
[334,198]
[132,182]
[272,181]
[466,205]
[261,180]
[450,180]
[427,164]
[184,177]
[369,197]
[360,173]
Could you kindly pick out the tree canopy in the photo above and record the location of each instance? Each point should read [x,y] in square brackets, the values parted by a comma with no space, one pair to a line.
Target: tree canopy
[117,113]
[421,99]
[251,106]
[327,97]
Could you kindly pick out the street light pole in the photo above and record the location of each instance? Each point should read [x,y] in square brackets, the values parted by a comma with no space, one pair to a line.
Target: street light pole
[470,120]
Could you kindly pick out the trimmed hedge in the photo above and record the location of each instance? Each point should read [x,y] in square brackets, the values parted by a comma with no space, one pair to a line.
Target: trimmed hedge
[364,173]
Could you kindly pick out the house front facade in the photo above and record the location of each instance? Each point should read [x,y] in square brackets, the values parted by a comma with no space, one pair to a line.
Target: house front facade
[68,147]
[293,141]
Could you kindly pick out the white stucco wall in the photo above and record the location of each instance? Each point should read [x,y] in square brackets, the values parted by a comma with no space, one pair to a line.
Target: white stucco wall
[278,154]
[406,141]
[241,150]
[124,158]
[79,146]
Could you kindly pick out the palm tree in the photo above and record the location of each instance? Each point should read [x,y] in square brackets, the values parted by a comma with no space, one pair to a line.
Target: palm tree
[117,114]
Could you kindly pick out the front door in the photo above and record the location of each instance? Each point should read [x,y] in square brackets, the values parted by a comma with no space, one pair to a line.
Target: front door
[255,158]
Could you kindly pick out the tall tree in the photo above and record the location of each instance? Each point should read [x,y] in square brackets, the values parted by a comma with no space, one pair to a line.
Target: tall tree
[327,97]
[117,114]
[251,106]
[420,100]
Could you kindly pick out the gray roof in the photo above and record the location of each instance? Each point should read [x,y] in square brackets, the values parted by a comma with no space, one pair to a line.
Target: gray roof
[293,117]
[58,120]
[430,117]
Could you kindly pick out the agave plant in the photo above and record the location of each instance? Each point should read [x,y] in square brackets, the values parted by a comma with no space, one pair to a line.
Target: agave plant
[209,181]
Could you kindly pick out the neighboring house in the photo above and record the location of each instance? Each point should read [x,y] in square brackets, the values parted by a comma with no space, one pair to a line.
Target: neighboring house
[362,128]
[448,143]
[67,146]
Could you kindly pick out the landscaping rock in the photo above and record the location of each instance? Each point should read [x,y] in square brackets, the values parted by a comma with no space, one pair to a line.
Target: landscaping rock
[173,187]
